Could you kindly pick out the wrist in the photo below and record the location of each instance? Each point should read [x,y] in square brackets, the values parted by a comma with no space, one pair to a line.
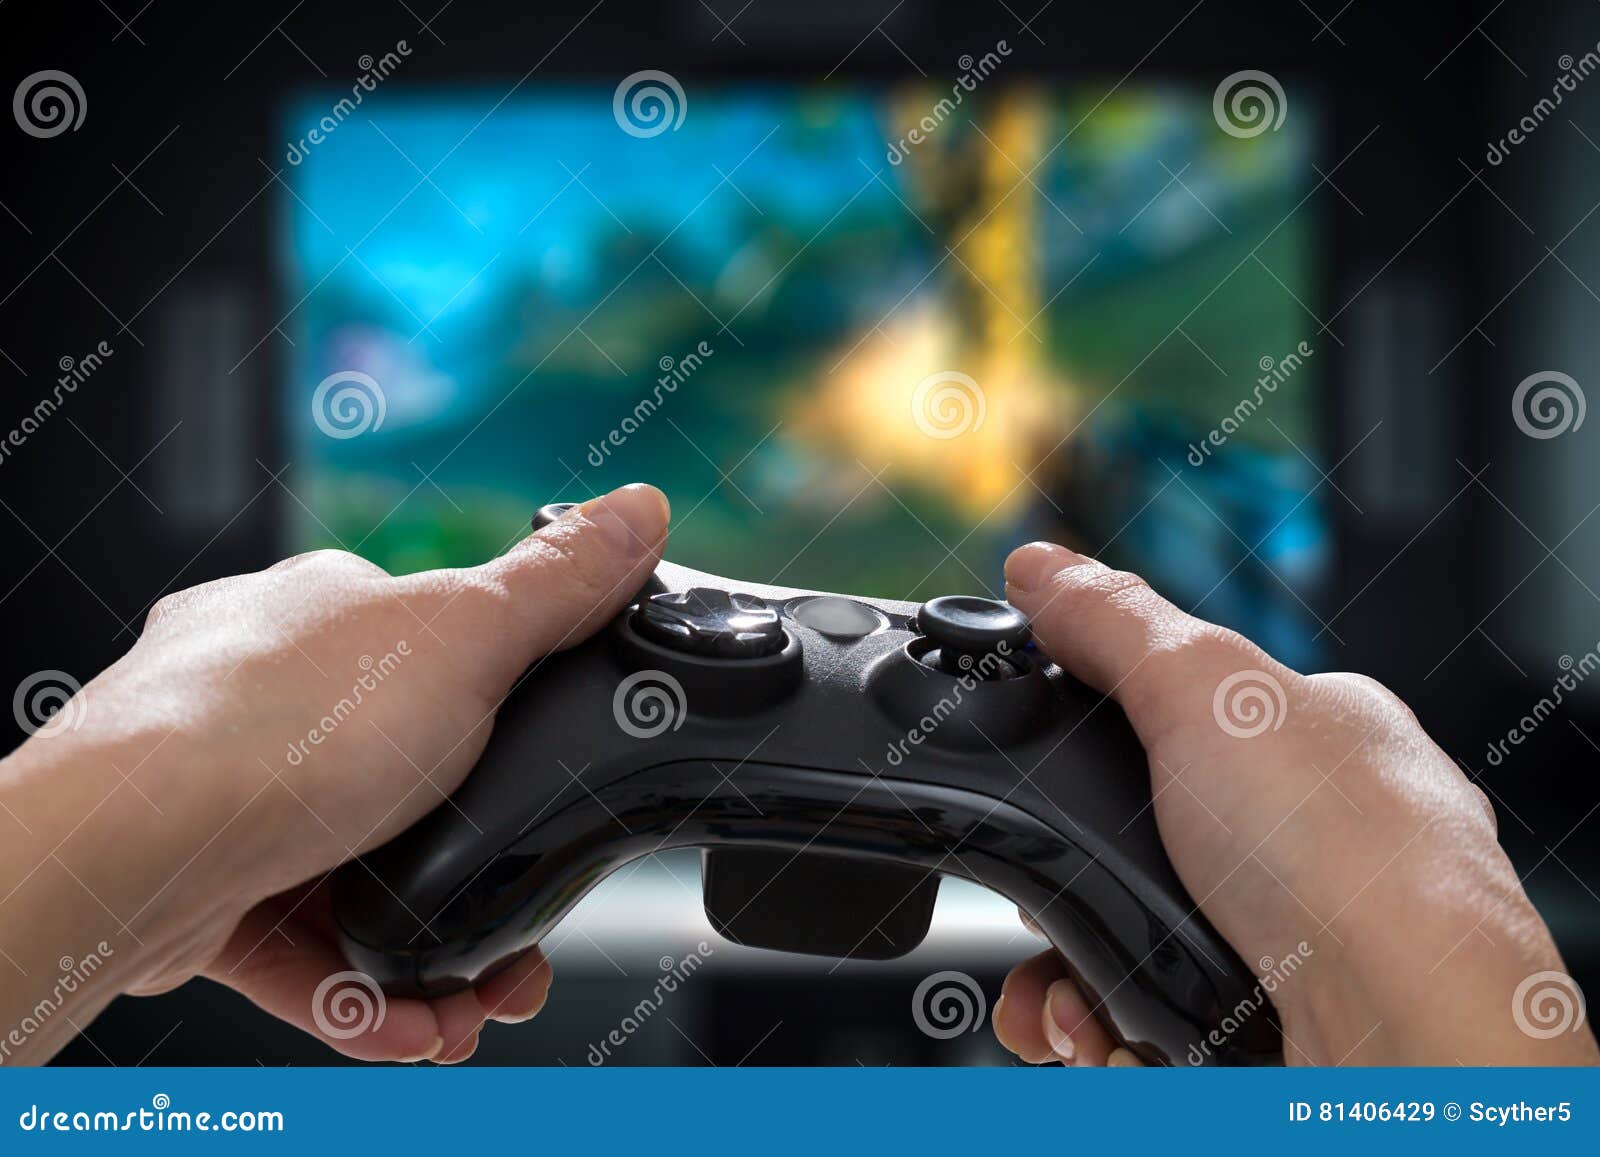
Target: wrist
[1432,975]
[100,880]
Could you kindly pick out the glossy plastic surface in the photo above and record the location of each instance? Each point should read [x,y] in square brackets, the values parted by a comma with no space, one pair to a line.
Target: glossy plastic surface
[840,747]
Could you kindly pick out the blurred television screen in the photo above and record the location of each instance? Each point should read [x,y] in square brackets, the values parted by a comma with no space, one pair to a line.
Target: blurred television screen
[867,338]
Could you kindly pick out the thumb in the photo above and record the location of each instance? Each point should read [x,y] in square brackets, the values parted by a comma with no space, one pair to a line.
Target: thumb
[1166,668]
[558,586]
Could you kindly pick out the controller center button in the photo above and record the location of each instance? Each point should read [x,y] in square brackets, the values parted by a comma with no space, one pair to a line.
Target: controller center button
[837,617]
[709,622]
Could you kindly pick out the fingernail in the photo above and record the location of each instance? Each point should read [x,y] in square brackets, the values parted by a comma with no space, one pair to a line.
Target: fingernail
[432,1051]
[462,1051]
[632,518]
[1031,566]
[1061,1016]
[519,1017]
[1123,1059]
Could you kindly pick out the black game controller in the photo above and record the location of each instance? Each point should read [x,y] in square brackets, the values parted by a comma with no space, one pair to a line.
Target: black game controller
[833,757]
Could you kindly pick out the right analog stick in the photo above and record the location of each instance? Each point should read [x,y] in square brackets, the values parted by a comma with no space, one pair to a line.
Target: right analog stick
[971,635]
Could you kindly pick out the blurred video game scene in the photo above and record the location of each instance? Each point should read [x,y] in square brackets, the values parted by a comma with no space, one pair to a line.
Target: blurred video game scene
[830,321]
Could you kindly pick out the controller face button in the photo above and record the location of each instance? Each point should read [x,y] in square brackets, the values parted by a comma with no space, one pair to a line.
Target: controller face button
[711,623]
[837,617]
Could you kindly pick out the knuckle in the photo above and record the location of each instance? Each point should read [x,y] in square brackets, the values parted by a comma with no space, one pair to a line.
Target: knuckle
[1194,659]
[482,593]
[1080,589]
[162,610]
[1198,673]
[565,563]
[331,561]
[174,604]
[1112,586]
[345,561]
[1364,689]
[1488,809]
[1206,647]
[475,591]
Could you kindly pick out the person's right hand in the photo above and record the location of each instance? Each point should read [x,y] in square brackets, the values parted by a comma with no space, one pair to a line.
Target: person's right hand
[1300,809]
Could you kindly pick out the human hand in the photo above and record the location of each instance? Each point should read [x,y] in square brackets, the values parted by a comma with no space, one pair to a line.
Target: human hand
[263,730]
[1310,817]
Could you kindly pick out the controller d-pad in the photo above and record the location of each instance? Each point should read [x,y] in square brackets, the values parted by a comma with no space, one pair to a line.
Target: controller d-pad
[709,622]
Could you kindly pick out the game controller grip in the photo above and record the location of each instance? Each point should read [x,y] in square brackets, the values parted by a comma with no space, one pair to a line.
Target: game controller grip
[761,765]
[1153,996]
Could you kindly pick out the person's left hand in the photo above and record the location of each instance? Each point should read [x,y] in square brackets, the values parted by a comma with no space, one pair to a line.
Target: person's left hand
[275,725]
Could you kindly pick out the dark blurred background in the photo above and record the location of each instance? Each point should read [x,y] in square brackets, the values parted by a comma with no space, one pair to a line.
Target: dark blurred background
[1070,282]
